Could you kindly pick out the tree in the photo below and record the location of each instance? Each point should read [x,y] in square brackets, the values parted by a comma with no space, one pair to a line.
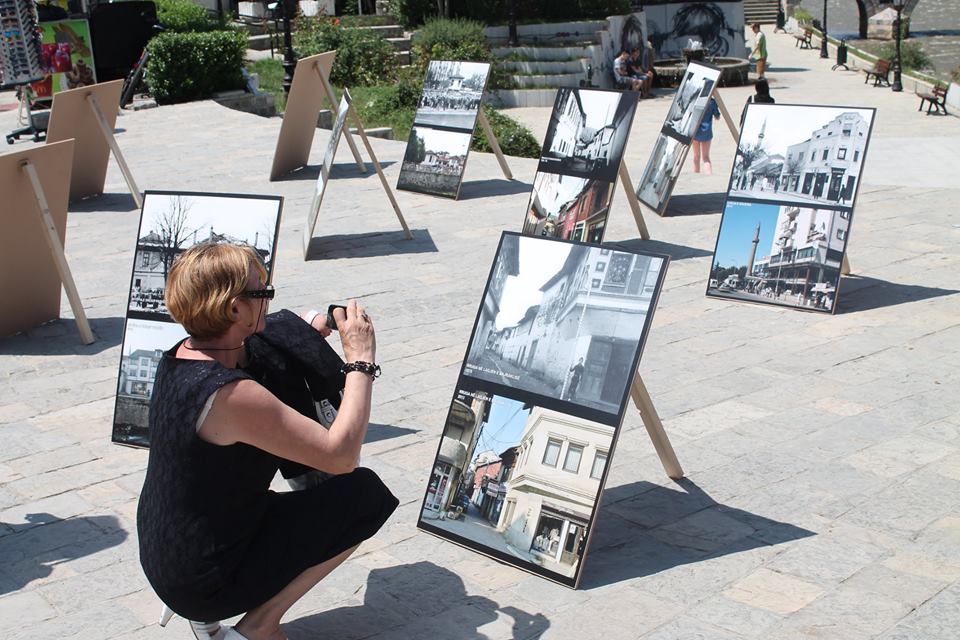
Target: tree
[443,8]
[417,151]
[172,231]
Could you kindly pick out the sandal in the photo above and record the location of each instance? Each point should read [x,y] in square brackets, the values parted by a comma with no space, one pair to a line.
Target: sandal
[207,630]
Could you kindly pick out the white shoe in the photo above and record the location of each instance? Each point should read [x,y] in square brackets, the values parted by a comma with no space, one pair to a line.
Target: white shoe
[232,634]
[207,630]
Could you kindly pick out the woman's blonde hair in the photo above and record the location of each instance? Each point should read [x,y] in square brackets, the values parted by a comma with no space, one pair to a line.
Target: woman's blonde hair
[203,284]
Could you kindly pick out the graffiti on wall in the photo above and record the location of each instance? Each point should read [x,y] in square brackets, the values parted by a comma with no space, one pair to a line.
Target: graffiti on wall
[717,25]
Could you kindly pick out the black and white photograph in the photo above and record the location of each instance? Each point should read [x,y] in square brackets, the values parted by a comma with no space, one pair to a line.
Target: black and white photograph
[587,133]
[517,481]
[780,254]
[434,161]
[691,99]
[342,111]
[568,208]
[171,223]
[323,176]
[804,155]
[452,94]
[144,342]
[660,174]
[565,322]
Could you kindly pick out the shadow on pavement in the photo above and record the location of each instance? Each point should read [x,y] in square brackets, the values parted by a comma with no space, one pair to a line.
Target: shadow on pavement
[787,69]
[32,550]
[377,432]
[644,528]
[675,251]
[345,167]
[61,338]
[122,202]
[695,204]
[419,600]
[492,187]
[860,293]
[367,245]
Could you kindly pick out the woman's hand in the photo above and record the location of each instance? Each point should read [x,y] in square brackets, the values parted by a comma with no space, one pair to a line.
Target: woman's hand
[318,321]
[356,333]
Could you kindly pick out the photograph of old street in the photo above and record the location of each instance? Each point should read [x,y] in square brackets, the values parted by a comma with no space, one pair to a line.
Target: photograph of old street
[452,93]
[568,208]
[434,161]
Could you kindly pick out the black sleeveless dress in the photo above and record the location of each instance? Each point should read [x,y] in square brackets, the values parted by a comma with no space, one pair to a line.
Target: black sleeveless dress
[215,542]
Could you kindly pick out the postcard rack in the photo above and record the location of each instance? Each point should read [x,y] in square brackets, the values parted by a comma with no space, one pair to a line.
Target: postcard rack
[20,59]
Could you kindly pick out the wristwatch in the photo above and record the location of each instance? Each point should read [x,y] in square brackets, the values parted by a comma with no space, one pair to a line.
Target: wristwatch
[369,368]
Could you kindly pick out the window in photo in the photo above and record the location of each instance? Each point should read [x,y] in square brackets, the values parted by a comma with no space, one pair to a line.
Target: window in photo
[571,461]
[599,462]
[552,452]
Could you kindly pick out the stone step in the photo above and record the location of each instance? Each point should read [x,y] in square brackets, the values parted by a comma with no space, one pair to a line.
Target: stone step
[525,97]
[531,53]
[545,66]
[386,30]
[400,44]
[550,34]
[552,80]
[260,43]
[402,58]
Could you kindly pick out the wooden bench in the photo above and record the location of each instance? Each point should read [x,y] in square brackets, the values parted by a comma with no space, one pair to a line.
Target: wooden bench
[803,40]
[937,99]
[880,72]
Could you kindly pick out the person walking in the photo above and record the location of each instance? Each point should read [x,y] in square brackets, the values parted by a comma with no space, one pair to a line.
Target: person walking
[759,53]
[703,138]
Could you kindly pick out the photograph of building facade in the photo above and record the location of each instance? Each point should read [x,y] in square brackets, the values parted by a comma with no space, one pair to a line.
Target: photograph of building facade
[172,223]
[805,155]
[691,99]
[452,94]
[434,161]
[570,322]
[660,174]
[144,343]
[568,208]
[587,133]
[780,254]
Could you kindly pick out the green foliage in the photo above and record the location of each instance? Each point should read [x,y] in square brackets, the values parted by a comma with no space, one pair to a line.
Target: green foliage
[456,39]
[192,66]
[514,138]
[955,74]
[184,16]
[363,57]
[412,13]
[803,16]
[270,71]
[912,55]
[366,21]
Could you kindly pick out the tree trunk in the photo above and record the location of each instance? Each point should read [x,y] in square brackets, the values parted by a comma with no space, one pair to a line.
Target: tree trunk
[862,22]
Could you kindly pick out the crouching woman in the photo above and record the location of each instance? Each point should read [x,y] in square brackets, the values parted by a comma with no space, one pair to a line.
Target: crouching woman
[245,395]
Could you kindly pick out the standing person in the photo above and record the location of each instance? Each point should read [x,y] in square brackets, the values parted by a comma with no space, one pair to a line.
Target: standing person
[703,138]
[759,52]
[576,372]
[621,72]
[232,404]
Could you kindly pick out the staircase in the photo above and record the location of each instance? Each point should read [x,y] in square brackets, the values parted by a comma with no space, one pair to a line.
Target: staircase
[762,11]
[261,31]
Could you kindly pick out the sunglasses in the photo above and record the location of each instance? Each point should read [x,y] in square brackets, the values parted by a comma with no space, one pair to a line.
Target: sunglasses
[266,293]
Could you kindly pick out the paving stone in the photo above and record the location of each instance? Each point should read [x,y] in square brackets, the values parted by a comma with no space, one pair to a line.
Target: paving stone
[688,627]
[773,591]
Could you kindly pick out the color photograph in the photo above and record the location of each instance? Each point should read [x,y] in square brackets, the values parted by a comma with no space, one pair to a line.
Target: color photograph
[805,155]
[565,322]
[568,208]
[588,132]
[434,161]
[780,254]
[517,481]
[144,342]
[452,94]
[691,99]
[660,174]
[171,223]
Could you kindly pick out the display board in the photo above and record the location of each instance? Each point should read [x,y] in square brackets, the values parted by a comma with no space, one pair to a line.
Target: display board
[325,167]
[579,164]
[170,223]
[682,121]
[66,58]
[443,125]
[786,222]
[29,281]
[539,401]
[20,51]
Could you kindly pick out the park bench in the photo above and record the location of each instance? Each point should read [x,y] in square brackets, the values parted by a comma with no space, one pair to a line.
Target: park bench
[937,99]
[803,40]
[880,72]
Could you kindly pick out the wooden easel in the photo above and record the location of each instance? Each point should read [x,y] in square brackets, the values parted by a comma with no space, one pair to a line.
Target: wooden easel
[77,114]
[332,99]
[651,420]
[633,201]
[494,143]
[52,238]
[347,104]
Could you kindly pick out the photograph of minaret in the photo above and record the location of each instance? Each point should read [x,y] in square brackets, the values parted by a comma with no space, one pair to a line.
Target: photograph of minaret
[780,254]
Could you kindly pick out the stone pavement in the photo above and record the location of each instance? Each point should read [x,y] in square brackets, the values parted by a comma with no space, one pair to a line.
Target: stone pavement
[822,497]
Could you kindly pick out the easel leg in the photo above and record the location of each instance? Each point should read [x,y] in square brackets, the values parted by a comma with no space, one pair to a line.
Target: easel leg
[379,170]
[115,148]
[494,143]
[845,266]
[655,428]
[731,125]
[59,258]
[334,105]
[634,203]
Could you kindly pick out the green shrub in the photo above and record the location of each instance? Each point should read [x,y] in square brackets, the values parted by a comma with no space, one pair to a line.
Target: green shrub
[803,16]
[456,39]
[955,74]
[412,13]
[912,55]
[363,57]
[192,66]
[514,138]
[184,16]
